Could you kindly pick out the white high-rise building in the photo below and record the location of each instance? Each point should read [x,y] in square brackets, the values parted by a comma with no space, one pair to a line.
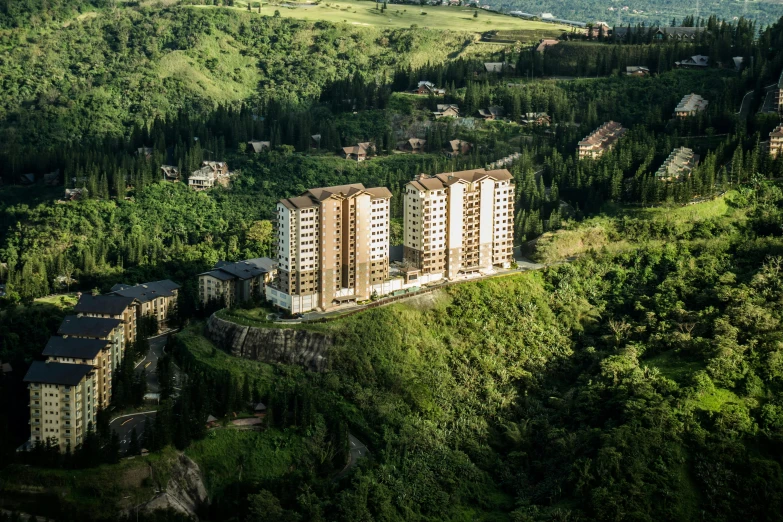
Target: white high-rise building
[458,223]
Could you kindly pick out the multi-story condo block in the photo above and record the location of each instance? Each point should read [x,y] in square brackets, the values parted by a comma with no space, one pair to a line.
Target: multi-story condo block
[109,330]
[126,309]
[232,283]
[678,165]
[62,402]
[601,140]
[776,142]
[690,105]
[458,223]
[93,352]
[333,247]
[158,298]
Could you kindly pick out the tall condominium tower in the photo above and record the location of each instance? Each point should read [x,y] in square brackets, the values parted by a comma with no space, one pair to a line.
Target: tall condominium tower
[332,247]
[457,223]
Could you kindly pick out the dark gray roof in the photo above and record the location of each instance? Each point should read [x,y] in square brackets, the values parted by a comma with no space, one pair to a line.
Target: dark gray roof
[264,262]
[146,291]
[94,327]
[217,274]
[74,347]
[103,304]
[241,269]
[57,373]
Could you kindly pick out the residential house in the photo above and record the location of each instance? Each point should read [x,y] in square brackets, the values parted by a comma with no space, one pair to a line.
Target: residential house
[694,62]
[75,194]
[52,179]
[145,151]
[158,299]
[685,34]
[426,88]
[690,105]
[446,110]
[601,140]
[359,152]
[637,70]
[315,141]
[170,173]
[491,113]
[540,119]
[63,403]
[210,174]
[108,330]
[776,142]
[94,352]
[458,223]
[498,67]
[678,166]
[27,179]
[233,283]
[545,43]
[414,145]
[738,62]
[457,148]
[110,306]
[259,146]
[333,247]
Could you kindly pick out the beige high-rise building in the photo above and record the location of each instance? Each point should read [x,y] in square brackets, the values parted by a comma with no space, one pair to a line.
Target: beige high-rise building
[94,352]
[458,223]
[62,402]
[332,247]
[776,142]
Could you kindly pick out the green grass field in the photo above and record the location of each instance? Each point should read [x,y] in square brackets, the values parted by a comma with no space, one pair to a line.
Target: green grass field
[443,18]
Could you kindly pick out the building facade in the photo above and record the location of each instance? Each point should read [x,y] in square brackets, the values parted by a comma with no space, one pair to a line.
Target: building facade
[109,330]
[62,402]
[678,165]
[601,140]
[158,299]
[458,223]
[776,142]
[690,105]
[126,309]
[232,283]
[211,174]
[333,246]
[92,352]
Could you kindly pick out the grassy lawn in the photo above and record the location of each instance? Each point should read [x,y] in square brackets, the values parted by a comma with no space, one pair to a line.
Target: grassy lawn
[206,353]
[63,301]
[442,18]
[228,456]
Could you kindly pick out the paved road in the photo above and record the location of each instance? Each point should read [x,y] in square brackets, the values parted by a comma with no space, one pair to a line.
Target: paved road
[747,100]
[358,450]
[124,426]
[150,362]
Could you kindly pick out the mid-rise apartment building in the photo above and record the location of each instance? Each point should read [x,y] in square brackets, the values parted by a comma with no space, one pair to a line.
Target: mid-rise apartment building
[690,105]
[93,352]
[678,165]
[158,298]
[601,140]
[109,330]
[458,223]
[62,402]
[333,247]
[233,283]
[776,142]
[126,309]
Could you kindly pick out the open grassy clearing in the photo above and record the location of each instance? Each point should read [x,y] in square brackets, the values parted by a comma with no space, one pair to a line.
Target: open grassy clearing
[443,18]
[63,301]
